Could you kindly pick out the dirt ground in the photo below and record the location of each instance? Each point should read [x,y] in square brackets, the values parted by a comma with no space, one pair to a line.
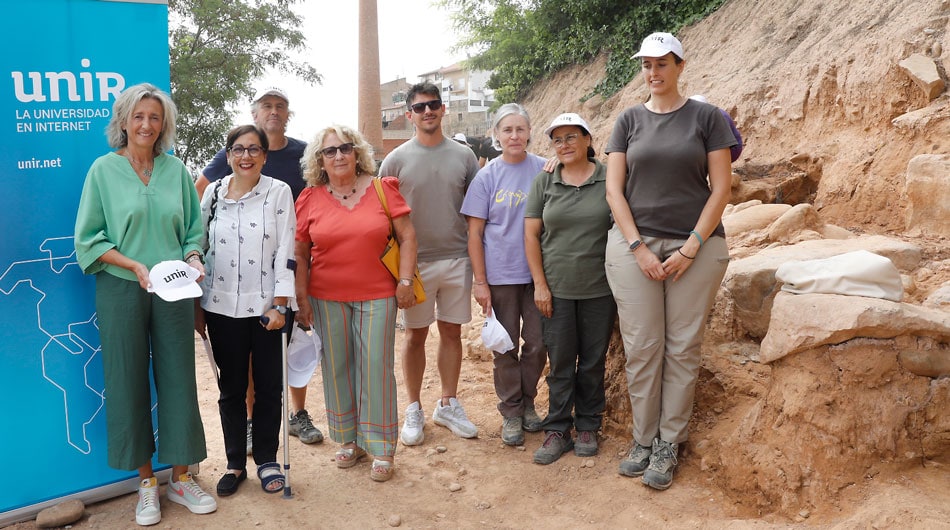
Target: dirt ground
[814,87]
[449,482]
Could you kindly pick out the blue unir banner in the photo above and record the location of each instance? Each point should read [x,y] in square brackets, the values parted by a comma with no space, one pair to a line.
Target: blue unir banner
[64,63]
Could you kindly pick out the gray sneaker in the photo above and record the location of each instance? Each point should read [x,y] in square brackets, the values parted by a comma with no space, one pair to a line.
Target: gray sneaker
[531,422]
[452,417]
[511,431]
[301,426]
[555,444]
[659,474]
[586,443]
[636,461]
[250,439]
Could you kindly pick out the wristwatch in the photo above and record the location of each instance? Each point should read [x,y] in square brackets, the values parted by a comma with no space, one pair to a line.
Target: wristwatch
[405,281]
[635,244]
[282,309]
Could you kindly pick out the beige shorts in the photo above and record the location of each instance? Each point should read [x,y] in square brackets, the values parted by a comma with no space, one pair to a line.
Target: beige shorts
[448,285]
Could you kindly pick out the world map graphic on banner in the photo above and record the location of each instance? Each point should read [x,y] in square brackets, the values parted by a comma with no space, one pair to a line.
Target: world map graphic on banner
[57,89]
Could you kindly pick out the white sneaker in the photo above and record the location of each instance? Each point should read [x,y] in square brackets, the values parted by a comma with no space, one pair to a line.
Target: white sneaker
[411,433]
[453,416]
[148,510]
[189,494]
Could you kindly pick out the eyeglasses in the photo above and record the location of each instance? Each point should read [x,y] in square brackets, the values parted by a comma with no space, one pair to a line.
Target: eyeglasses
[433,105]
[253,151]
[570,139]
[330,152]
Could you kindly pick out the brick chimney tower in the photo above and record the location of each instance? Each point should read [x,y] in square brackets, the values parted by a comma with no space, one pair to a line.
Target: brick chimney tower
[370,109]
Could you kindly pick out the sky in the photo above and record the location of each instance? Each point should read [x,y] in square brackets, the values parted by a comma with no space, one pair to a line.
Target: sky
[414,37]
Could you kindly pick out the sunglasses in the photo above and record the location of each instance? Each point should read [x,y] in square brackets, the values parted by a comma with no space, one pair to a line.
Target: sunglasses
[330,152]
[433,105]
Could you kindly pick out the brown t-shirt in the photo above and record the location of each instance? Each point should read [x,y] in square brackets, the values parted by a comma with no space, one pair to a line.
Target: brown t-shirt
[667,167]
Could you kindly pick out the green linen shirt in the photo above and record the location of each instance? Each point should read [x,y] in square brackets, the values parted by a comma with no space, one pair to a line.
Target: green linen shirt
[149,224]
[575,221]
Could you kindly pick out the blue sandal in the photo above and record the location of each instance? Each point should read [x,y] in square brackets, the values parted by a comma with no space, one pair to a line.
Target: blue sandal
[272,480]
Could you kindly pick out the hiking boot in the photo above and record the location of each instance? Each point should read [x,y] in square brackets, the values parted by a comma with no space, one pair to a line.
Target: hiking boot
[636,461]
[412,427]
[148,510]
[250,438]
[530,421]
[555,444]
[586,443]
[659,474]
[453,417]
[511,431]
[189,494]
[301,426]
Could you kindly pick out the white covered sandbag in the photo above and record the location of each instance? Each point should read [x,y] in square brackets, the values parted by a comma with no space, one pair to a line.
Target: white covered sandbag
[858,273]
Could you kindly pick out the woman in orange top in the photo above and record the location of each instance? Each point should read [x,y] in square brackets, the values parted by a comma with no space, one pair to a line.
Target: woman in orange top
[348,294]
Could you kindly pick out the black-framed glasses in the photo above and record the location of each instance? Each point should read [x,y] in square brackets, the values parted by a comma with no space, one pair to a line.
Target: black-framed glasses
[330,152]
[253,151]
[569,139]
[433,105]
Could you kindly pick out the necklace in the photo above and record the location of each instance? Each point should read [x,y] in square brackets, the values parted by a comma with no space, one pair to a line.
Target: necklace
[654,106]
[146,171]
[338,194]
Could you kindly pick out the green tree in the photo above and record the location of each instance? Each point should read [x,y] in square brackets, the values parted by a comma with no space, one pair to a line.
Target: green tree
[218,49]
[521,41]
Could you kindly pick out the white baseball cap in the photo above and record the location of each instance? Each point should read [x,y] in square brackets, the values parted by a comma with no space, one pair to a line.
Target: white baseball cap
[660,44]
[174,280]
[272,91]
[568,118]
[459,137]
[699,97]
[303,356]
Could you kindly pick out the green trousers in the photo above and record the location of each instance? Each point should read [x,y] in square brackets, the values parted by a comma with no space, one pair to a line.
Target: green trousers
[139,330]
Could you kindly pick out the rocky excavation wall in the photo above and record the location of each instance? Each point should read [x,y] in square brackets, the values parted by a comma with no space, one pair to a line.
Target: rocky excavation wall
[847,134]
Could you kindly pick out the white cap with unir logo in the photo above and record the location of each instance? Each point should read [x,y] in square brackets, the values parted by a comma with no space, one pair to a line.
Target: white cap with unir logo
[174,280]
[568,118]
[660,44]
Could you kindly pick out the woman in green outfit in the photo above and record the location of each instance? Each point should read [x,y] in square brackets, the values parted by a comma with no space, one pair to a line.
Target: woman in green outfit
[566,223]
[138,208]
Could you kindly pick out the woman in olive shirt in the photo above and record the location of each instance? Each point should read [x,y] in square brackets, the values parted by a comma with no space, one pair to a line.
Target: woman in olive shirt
[566,223]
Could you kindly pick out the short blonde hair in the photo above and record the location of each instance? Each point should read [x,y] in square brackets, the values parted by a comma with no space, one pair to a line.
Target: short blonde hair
[125,104]
[312,161]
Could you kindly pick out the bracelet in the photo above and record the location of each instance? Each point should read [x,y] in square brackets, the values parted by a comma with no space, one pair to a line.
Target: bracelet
[699,237]
[684,255]
[480,283]
[193,257]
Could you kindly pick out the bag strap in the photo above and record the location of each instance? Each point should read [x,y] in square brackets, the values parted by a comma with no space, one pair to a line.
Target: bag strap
[214,199]
[378,184]
[212,209]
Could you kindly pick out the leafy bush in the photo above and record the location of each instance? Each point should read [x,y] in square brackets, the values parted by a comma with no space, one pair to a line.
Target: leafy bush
[522,41]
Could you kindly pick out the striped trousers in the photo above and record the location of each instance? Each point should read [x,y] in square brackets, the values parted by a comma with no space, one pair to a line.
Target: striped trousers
[359,382]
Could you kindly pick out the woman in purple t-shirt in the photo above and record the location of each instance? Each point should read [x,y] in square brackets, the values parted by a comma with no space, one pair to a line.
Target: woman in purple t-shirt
[494,205]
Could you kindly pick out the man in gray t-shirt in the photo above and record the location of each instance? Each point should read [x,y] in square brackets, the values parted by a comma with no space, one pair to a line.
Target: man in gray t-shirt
[434,173]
